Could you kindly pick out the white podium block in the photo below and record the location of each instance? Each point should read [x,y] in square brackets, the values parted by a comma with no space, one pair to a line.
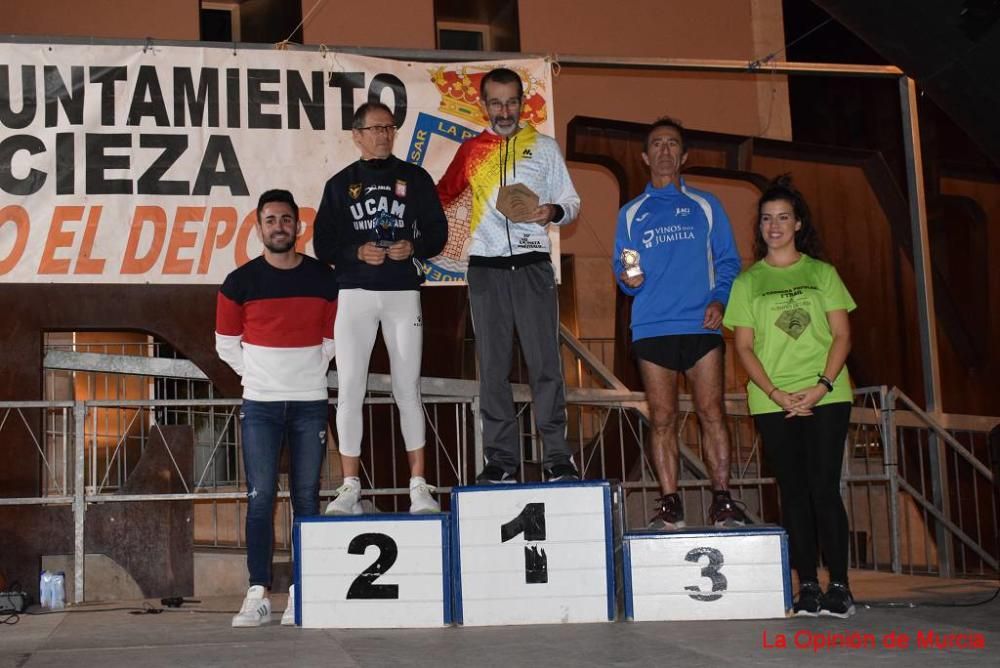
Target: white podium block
[373,571]
[533,554]
[707,574]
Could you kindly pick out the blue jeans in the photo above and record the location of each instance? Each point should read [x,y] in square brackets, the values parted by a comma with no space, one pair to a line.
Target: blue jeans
[266,425]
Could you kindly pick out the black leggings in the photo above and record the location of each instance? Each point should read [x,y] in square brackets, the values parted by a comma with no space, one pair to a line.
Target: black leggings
[806,454]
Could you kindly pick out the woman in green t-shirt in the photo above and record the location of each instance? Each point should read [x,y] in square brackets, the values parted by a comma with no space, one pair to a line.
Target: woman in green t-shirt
[788,312]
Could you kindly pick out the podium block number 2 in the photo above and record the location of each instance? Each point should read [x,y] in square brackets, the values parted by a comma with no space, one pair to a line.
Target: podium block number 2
[364,585]
[530,522]
[373,571]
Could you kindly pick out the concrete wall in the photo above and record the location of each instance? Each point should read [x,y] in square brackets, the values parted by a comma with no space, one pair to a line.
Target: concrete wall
[132,19]
[731,103]
[407,24]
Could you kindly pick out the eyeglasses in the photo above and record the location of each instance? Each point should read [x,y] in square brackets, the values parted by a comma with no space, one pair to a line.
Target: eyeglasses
[380,129]
[497,105]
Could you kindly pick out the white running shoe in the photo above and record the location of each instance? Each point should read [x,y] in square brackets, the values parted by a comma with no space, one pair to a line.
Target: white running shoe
[348,501]
[288,617]
[421,501]
[256,609]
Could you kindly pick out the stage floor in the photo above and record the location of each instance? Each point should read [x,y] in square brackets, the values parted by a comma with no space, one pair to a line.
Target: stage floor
[109,636]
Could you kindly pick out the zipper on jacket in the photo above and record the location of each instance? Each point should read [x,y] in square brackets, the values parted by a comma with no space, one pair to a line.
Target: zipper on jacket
[503,182]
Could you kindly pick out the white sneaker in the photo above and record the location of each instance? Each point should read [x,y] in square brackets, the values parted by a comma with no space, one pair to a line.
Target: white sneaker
[348,501]
[421,501]
[256,608]
[288,617]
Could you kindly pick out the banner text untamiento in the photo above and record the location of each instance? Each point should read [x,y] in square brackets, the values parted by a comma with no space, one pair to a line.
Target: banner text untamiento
[120,164]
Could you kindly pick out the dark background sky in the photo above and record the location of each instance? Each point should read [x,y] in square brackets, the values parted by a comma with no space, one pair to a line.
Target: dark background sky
[864,113]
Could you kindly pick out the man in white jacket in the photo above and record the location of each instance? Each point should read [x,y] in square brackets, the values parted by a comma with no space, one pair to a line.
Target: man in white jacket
[511,279]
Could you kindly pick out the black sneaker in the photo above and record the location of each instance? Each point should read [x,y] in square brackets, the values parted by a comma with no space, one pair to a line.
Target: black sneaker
[494,475]
[669,513]
[562,472]
[724,511]
[837,601]
[808,603]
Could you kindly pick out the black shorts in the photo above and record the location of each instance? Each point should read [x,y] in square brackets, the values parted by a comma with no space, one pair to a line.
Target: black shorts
[677,352]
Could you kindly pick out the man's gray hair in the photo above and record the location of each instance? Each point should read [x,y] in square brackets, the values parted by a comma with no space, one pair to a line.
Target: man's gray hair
[362,113]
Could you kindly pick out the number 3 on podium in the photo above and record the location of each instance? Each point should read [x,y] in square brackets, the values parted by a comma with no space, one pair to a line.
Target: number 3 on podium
[711,571]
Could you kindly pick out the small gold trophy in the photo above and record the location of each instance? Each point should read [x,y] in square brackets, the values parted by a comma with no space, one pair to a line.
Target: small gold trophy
[630,260]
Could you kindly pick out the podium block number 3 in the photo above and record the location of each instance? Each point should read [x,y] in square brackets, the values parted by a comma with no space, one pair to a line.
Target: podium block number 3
[710,571]
[364,585]
[530,522]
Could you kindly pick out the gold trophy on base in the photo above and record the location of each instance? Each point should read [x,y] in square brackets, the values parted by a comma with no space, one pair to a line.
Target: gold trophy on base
[630,260]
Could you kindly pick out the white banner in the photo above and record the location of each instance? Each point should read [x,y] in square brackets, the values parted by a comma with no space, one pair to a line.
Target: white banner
[123,164]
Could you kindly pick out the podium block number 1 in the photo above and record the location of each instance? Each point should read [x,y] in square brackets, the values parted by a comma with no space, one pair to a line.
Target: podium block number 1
[534,553]
[531,523]
[364,585]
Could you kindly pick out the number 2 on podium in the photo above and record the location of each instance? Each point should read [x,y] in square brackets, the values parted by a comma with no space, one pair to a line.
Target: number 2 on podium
[364,585]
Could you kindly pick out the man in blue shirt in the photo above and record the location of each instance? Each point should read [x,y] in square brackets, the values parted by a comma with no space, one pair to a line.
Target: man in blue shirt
[688,260]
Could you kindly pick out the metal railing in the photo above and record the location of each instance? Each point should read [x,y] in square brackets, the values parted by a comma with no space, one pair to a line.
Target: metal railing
[918,488]
[887,482]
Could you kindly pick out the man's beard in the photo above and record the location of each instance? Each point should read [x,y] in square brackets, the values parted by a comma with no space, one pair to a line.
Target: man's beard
[504,131]
[282,247]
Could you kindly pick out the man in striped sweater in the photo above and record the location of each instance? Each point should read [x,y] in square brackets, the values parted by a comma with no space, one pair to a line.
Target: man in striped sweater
[274,327]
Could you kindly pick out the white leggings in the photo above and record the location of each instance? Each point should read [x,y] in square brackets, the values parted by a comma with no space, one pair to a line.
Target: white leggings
[359,313]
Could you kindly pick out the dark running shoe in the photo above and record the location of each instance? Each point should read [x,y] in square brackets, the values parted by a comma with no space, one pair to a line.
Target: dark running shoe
[837,601]
[669,513]
[809,601]
[562,472]
[724,511]
[494,475]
